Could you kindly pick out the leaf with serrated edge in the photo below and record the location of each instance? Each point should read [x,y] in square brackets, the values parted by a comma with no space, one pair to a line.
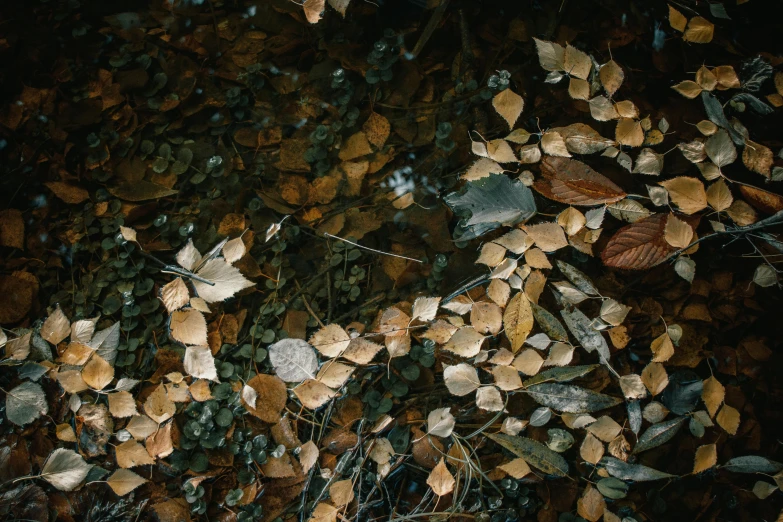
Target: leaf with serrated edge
[440,422]
[123,481]
[638,246]
[25,403]
[293,360]
[65,469]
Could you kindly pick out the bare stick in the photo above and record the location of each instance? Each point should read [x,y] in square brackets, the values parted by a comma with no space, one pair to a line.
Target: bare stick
[372,249]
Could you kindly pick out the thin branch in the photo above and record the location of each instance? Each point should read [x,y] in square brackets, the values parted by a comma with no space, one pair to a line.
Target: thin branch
[372,249]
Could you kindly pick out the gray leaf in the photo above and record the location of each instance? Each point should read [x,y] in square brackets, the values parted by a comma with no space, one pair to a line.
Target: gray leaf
[25,403]
[560,374]
[754,73]
[683,392]
[540,416]
[293,359]
[65,469]
[549,323]
[578,278]
[634,416]
[493,200]
[636,472]
[106,342]
[658,434]
[534,453]
[753,464]
[715,113]
[613,488]
[757,105]
[570,399]
[590,338]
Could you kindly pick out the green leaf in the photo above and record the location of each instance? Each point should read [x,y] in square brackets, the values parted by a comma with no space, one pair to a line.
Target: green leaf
[570,399]
[534,453]
[549,323]
[560,374]
[752,464]
[636,472]
[658,434]
[489,202]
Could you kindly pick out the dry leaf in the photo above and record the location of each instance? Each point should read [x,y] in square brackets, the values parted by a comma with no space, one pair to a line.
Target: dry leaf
[677,20]
[719,196]
[189,327]
[678,233]
[158,406]
[553,144]
[175,295]
[131,453]
[97,373]
[578,89]
[313,394]
[551,56]
[655,378]
[699,30]
[591,505]
[486,318]
[123,481]
[706,457]
[466,342]
[611,76]
[341,492]
[592,449]
[56,327]
[757,158]
[576,63]
[687,193]
[509,105]
[122,404]
[518,320]
[629,132]
[461,379]
[728,418]
[313,10]
[377,129]
[331,340]
[549,237]
[441,480]
[528,362]
[662,348]
[517,468]
[488,398]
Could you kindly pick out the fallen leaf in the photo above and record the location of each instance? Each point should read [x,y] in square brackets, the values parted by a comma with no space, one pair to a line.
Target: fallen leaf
[441,480]
[706,458]
[509,105]
[687,193]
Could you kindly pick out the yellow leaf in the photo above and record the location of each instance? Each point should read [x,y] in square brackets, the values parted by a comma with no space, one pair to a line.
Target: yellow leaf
[655,378]
[554,145]
[719,196]
[729,419]
[313,10]
[677,20]
[688,88]
[578,89]
[189,327]
[662,348]
[441,480]
[518,320]
[576,63]
[611,76]
[341,492]
[591,449]
[97,373]
[517,468]
[509,105]
[591,505]
[629,132]
[313,394]
[706,79]
[677,232]
[687,193]
[706,457]
[500,151]
[712,394]
[699,30]
[122,404]
[528,362]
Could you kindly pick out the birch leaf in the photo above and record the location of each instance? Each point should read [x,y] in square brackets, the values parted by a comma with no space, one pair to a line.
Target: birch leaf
[227,278]
[461,379]
[509,105]
[293,360]
[440,422]
[123,481]
[534,453]
[441,480]
[25,403]
[65,469]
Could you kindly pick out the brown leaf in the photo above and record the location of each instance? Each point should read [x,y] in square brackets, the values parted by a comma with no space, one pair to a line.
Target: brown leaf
[719,196]
[175,295]
[638,246]
[11,228]
[158,406]
[591,505]
[629,132]
[549,237]
[313,394]
[271,396]
[122,404]
[574,183]
[611,76]
[67,192]
[662,348]
[687,193]
[377,129]
[766,202]
[591,449]
[97,373]
[441,480]
[518,320]
[655,378]
[553,144]
[757,158]
[509,105]
[140,191]
[313,10]
[677,232]
[131,453]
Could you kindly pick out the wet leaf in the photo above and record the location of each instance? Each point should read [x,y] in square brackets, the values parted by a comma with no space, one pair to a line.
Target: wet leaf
[659,434]
[534,453]
[569,398]
[636,472]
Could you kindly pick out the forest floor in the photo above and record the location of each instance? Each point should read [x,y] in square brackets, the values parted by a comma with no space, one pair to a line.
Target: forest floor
[405,260]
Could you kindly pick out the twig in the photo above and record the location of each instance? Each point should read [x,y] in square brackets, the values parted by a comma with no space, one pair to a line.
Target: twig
[307,305]
[171,269]
[775,219]
[372,249]
[435,19]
